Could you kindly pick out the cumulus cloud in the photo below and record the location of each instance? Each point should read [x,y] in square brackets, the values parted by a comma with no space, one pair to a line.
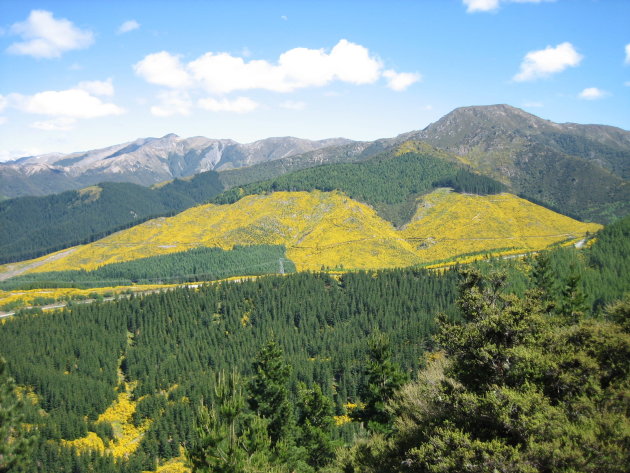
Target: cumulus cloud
[628,53]
[399,81]
[172,102]
[546,62]
[47,37]
[3,103]
[297,68]
[128,26]
[492,5]
[163,68]
[293,105]
[238,105]
[71,103]
[222,73]
[219,74]
[98,87]
[592,93]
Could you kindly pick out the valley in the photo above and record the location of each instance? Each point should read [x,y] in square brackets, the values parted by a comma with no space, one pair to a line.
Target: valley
[134,318]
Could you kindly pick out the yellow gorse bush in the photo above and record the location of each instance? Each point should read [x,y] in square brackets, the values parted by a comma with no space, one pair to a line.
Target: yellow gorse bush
[328,229]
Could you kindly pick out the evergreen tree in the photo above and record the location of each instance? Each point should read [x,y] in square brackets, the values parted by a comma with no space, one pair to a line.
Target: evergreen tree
[229,440]
[573,300]
[269,392]
[15,442]
[519,391]
[542,276]
[315,423]
[382,379]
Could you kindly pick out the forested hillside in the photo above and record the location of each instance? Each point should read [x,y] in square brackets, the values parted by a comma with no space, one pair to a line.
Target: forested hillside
[33,226]
[390,182]
[198,264]
[126,379]
[327,230]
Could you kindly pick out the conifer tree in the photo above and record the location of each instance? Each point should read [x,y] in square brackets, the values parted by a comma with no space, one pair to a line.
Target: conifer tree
[269,392]
[382,379]
[573,300]
[315,423]
[229,440]
[542,276]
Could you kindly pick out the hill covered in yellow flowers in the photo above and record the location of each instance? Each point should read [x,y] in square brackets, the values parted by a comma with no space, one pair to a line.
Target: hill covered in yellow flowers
[328,229]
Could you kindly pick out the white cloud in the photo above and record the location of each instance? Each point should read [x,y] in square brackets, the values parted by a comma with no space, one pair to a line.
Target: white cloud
[73,103]
[297,68]
[293,105]
[399,81]
[238,105]
[46,37]
[548,61]
[628,53]
[481,5]
[3,103]
[56,124]
[3,120]
[223,73]
[592,93]
[284,17]
[163,68]
[172,102]
[98,87]
[128,26]
[492,5]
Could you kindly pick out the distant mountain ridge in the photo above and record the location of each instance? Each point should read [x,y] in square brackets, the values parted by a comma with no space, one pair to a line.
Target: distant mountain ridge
[145,161]
[576,170]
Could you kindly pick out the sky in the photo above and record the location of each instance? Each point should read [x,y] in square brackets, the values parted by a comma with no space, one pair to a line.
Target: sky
[80,75]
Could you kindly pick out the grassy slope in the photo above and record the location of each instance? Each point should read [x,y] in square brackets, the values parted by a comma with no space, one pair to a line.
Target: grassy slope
[330,229]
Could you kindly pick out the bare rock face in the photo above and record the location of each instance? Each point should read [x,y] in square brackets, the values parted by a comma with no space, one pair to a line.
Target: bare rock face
[145,161]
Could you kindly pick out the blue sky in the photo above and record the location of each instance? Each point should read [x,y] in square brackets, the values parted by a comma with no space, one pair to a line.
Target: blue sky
[78,75]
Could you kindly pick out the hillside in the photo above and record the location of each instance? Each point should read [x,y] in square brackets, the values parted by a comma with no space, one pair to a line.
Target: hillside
[576,170]
[581,170]
[390,181]
[33,226]
[328,229]
[145,161]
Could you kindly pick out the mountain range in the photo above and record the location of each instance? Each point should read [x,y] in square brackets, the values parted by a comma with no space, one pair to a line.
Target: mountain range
[145,161]
[576,170]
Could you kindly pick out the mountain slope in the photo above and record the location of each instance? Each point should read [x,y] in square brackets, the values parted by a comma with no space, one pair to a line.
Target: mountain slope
[32,226]
[144,161]
[322,229]
[389,181]
[580,169]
